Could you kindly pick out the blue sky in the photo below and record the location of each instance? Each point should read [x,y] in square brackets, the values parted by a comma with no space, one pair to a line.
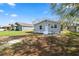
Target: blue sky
[24,12]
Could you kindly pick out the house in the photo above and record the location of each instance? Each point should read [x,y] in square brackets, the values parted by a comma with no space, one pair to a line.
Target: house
[13,26]
[6,27]
[22,26]
[1,29]
[47,27]
[74,27]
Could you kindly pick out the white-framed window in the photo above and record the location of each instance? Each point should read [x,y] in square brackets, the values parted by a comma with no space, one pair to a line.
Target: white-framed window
[40,27]
[52,26]
[55,25]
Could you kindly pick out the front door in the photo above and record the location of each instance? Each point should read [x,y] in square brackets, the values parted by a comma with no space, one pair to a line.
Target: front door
[46,30]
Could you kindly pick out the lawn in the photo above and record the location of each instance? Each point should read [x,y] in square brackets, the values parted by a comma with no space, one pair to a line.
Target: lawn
[69,33]
[13,33]
[66,32]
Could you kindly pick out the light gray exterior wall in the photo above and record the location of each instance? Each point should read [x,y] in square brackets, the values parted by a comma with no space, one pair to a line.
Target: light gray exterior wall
[54,30]
[49,24]
[37,29]
[24,28]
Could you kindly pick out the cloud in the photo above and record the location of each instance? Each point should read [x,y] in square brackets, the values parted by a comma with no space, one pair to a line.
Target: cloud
[12,4]
[1,11]
[6,14]
[14,15]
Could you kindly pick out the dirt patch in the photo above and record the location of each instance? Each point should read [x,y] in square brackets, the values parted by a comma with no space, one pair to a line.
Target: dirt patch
[41,46]
[8,38]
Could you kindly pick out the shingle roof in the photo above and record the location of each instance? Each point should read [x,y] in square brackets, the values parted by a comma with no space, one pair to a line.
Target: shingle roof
[23,24]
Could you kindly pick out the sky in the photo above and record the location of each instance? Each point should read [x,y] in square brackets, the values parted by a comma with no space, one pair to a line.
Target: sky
[24,12]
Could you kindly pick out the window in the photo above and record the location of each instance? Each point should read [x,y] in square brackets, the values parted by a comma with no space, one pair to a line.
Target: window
[51,26]
[40,27]
[55,26]
[48,24]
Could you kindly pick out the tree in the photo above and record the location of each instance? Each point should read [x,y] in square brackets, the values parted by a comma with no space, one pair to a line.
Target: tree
[68,12]
[67,9]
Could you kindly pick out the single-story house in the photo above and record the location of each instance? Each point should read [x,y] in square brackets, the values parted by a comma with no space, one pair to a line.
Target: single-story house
[1,29]
[22,26]
[47,27]
[74,27]
[6,27]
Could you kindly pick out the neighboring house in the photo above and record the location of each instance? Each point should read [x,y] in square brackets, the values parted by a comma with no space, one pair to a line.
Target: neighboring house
[74,27]
[47,27]
[1,28]
[22,26]
[13,26]
[6,27]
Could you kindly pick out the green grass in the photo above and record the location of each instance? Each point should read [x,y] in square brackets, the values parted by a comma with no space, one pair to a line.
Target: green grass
[13,33]
[72,35]
[66,32]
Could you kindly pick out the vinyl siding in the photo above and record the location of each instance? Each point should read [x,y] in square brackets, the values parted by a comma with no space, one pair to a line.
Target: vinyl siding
[26,28]
[37,27]
[53,30]
[49,24]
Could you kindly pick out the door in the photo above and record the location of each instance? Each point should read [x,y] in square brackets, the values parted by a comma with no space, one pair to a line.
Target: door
[46,30]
